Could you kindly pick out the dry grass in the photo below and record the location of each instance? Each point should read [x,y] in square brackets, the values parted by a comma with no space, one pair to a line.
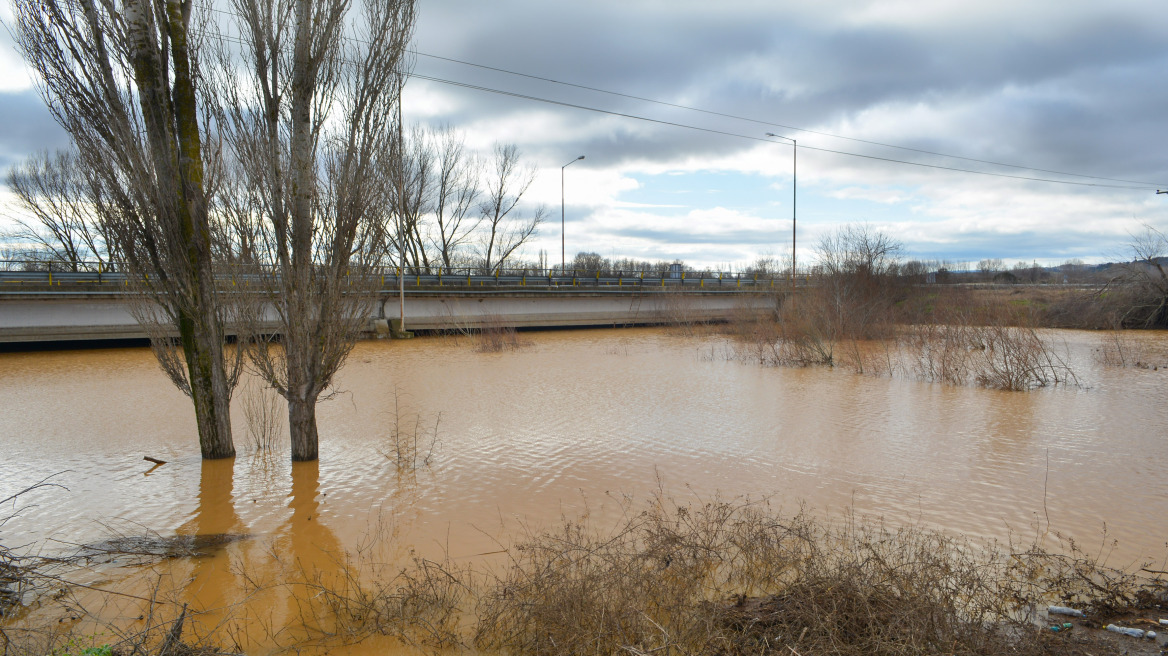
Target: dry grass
[89,625]
[420,605]
[23,572]
[703,578]
[735,578]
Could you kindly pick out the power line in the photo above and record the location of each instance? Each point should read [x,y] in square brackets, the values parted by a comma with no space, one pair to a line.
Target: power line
[1143,186]
[761,122]
[562,103]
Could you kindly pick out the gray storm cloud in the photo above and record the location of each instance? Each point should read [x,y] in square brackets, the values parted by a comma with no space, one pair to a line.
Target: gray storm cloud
[1075,89]
[1064,86]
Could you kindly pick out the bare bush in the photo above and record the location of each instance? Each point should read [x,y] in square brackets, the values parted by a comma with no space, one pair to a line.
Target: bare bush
[679,311]
[991,347]
[1141,287]
[939,352]
[802,342]
[734,578]
[994,355]
[20,573]
[792,339]
[411,443]
[1016,358]
[264,414]
[495,334]
[1119,349]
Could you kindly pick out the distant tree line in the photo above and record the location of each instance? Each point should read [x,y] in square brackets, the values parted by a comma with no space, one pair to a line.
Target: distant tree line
[444,209]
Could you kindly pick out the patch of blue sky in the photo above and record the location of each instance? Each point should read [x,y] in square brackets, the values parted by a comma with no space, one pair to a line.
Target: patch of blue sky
[769,198]
[701,190]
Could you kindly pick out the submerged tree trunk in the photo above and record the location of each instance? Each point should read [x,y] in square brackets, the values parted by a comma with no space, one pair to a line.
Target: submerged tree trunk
[172,130]
[123,78]
[312,180]
[210,389]
[205,363]
[302,425]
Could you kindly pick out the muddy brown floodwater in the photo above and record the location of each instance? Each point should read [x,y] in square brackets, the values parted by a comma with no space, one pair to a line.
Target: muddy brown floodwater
[573,422]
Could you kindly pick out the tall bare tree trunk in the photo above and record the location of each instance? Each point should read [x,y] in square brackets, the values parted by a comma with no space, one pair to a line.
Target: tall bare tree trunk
[179,165]
[302,422]
[120,77]
[310,156]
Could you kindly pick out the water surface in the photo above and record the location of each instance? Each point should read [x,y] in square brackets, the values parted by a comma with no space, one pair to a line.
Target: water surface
[573,422]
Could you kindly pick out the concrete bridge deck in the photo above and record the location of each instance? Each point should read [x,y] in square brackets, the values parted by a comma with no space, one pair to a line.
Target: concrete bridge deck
[97,315]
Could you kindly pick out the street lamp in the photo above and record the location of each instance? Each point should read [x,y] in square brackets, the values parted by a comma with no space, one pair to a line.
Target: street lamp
[562,210]
[794,191]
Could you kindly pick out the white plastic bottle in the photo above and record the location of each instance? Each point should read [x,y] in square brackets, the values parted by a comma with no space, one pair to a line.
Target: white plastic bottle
[1135,633]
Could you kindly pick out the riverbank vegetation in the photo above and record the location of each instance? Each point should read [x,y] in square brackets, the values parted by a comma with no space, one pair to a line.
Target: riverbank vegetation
[701,577]
[865,309]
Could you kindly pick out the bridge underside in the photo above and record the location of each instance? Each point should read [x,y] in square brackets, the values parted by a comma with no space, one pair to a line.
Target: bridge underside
[101,316]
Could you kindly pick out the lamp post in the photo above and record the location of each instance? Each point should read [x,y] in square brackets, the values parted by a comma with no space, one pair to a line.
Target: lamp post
[562,260]
[794,191]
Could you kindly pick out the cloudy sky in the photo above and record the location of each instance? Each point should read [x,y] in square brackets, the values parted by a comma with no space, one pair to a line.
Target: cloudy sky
[1053,88]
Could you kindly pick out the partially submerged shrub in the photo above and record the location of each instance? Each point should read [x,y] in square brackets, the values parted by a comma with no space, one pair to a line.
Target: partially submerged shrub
[420,605]
[411,443]
[263,412]
[717,578]
[993,347]
[495,335]
[1016,358]
[734,578]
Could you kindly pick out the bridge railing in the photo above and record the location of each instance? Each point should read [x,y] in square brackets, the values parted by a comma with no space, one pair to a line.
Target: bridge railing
[15,274]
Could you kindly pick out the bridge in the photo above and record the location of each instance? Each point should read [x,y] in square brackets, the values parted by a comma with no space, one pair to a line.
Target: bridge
[48,306]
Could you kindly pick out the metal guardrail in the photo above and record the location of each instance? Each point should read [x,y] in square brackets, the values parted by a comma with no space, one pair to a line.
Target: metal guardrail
[392,278]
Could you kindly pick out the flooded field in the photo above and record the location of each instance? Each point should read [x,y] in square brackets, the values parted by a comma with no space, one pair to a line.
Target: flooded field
[573,422]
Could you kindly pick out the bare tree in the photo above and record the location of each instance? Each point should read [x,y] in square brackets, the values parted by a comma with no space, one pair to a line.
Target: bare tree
[505,230]
[1141,286]
[310,125]
[121,76]
[455,195]
[55,190]
[589,263]
[858,267]
[989,267]
[413,175]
